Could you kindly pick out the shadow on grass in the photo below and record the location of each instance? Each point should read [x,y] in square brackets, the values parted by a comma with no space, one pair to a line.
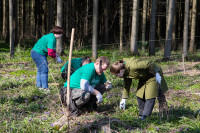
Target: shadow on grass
[20,107]
[176,117]
[4,47]
[106,124]
[10,86]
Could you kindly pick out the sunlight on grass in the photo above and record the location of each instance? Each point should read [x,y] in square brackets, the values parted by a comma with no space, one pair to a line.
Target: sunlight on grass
[23,108]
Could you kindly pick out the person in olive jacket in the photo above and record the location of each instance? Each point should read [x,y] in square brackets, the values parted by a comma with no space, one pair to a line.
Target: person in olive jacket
[150,78]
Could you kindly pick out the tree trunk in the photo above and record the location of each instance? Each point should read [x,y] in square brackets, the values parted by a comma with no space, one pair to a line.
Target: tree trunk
[37,20]
[144,17]
[67,20]
[22,18]
[121,24]
[73,14]
[106,35]
[193,25]
[169,29]
[4,20]
[185,31]
[15,22]
[167,13]
[174,28]
[134,30]
[33,17]
[11,28]
[59,23]
[95,29]
[152,29]
[86,19]
[18,18]
[43,17]
[50,18]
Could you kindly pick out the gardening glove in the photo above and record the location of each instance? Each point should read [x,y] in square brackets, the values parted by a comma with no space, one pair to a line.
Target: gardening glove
[99,98]
[108,85]
[122,104]
[158,78]
[58,59]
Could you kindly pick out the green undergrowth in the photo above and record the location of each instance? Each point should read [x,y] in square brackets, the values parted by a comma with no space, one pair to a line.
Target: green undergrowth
[23,108]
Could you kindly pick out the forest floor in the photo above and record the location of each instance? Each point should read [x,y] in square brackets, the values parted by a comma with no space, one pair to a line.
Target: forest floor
[87,120]
[23,108]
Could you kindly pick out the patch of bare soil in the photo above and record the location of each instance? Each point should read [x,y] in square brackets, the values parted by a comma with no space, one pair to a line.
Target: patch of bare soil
[170,94]
[86,123]
[180,68]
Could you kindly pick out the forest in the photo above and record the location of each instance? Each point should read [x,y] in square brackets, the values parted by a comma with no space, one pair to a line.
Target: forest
[147,25]
[166,32]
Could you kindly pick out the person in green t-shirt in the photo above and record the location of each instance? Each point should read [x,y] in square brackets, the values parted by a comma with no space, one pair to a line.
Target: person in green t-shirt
[151,83]
[45,46]
[87,84]
[75,64]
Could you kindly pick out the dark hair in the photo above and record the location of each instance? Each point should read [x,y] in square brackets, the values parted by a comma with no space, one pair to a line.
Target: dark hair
[117,67]
[86,59]
[104,60]
[57,30]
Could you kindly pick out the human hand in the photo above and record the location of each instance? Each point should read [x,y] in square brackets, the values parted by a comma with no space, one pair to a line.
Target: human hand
[99,97]
[108,85]
[122,104]
[158,78]
[58,59]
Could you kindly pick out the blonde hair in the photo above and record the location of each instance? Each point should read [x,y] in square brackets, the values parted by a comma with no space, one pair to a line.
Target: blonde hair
[117,67]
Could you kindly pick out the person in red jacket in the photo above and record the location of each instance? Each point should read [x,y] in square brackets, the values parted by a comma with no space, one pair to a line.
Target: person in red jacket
[45,46]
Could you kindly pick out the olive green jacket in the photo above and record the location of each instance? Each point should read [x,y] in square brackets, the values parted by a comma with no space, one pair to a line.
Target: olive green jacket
[144,71]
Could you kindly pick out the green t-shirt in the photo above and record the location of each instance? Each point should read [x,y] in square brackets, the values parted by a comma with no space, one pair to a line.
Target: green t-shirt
[88,73]
[47,41]
[75,64]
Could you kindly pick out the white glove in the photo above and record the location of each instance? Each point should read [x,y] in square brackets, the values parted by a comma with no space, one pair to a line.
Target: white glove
[122,104]
[99,98]
[58,59]
[158,78]
[108,85]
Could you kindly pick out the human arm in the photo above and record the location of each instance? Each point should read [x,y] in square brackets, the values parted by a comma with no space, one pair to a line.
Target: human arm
[85,85]
[126,90]
[158,78]
[51,48]
[108,85]
[52,53]
[58,59]
[127,83]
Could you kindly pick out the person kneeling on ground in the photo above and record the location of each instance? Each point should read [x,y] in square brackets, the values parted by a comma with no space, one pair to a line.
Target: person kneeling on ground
[75,64]
[151,80]
[87,85]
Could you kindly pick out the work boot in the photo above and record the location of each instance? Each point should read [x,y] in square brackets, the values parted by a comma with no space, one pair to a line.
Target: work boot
[63,95]
[142,117]
[44,90]
[73,108]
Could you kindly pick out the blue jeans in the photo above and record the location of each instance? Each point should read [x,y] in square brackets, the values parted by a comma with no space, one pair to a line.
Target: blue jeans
[42,69]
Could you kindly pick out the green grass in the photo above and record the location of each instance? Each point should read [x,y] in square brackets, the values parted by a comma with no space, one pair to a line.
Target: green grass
[23,108]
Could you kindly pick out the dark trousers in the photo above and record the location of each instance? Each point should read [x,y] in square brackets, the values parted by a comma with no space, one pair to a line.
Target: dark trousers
[64,76]
[145,106]
[81,99]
